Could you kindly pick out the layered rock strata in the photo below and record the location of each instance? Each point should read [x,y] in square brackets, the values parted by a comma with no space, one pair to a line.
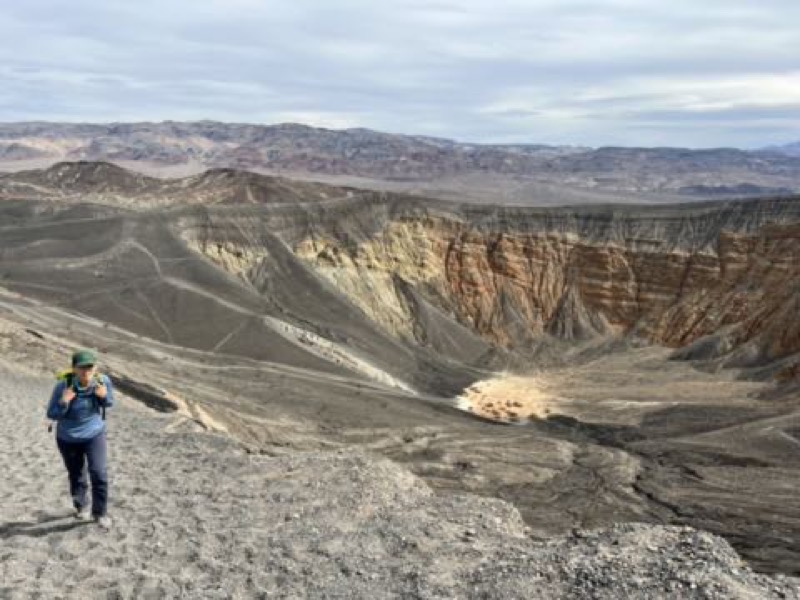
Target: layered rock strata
[515,281]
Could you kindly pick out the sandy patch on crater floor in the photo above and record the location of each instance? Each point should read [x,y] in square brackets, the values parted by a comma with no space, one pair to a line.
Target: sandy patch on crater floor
[510,399]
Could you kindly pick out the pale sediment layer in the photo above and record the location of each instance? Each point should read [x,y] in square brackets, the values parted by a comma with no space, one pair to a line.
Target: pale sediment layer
[514,281]
[509,399]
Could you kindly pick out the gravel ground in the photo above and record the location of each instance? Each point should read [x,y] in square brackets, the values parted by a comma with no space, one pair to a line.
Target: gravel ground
[196,516]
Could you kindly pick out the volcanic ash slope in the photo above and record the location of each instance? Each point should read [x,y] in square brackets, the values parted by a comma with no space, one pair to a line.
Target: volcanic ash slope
[196,516]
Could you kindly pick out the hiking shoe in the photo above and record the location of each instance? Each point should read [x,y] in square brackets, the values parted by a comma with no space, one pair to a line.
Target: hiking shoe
[103,521]
[83,514]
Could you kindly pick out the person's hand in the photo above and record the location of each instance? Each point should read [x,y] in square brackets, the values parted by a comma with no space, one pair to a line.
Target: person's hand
[68,396]
[100,390]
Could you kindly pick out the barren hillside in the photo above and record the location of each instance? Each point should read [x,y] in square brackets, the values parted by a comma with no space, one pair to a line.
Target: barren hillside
[660,340]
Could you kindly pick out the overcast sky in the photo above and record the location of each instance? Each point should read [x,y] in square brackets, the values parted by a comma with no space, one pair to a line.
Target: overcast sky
[695,73]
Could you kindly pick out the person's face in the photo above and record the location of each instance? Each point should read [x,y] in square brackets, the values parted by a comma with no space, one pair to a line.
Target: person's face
[85,373]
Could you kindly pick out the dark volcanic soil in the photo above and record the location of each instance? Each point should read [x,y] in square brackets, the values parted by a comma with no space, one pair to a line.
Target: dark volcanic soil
[216,307]
[197,516]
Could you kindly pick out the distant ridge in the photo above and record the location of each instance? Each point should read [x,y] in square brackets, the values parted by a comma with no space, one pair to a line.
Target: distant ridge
[792,149]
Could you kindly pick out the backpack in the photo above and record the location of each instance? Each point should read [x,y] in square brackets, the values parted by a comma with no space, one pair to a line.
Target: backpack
[68,376]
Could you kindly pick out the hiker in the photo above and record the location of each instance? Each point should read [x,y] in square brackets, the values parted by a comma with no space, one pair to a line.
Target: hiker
[78,404]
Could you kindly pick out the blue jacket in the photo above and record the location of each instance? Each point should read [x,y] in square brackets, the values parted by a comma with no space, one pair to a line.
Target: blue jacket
[81,420]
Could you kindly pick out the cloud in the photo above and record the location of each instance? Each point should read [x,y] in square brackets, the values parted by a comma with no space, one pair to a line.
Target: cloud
[584,72]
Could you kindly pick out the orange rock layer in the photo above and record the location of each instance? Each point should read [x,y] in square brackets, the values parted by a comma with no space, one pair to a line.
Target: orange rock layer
[512,287]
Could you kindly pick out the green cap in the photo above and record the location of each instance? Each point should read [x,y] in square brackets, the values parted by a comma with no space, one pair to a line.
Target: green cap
[83,358]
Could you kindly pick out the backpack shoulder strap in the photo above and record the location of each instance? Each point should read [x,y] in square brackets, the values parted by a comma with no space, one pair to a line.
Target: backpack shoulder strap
[99,378]
[67,376]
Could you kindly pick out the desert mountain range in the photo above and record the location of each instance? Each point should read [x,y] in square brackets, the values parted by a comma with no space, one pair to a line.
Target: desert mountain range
[513,173]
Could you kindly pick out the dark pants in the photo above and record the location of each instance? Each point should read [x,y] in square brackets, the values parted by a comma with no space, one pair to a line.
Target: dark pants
[76,455]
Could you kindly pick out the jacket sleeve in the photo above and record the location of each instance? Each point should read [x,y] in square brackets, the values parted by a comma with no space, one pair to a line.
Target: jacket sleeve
[55,410]
[109,399]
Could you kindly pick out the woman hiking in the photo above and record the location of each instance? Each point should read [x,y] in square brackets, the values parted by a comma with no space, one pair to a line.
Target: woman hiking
[77,402]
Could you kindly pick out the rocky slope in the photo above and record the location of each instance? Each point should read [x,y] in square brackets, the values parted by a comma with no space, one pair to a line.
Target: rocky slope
[723,278]
[718,279]
[196,516]
[318,318]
